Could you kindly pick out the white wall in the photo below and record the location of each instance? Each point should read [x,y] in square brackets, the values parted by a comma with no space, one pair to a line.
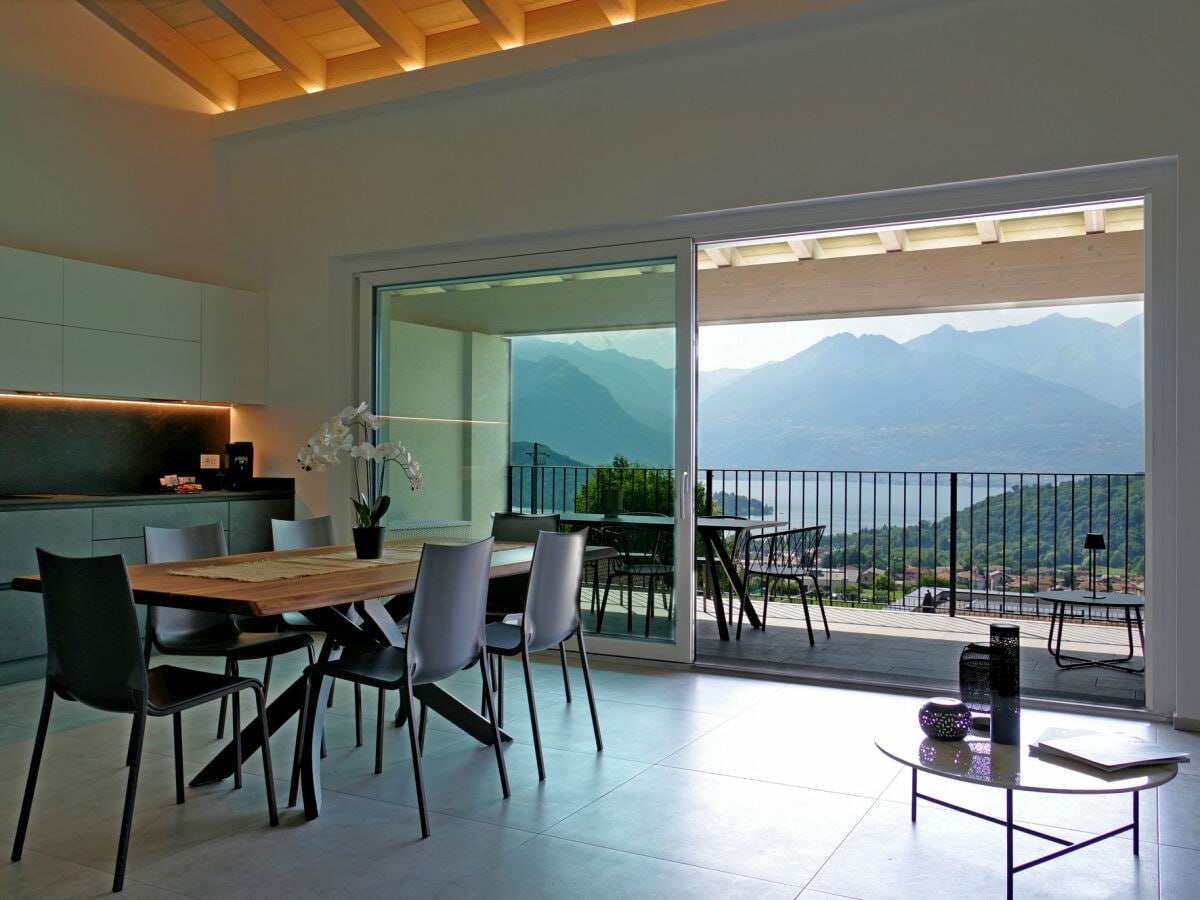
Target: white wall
[878,96]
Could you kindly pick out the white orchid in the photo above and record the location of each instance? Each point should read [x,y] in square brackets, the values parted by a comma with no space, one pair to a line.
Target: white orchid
[349,432]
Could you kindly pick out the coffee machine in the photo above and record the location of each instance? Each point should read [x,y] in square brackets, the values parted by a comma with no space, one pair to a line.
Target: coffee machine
[239,466]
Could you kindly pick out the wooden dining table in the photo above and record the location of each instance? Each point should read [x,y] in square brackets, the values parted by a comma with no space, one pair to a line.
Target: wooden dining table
[717,559]
[325,584]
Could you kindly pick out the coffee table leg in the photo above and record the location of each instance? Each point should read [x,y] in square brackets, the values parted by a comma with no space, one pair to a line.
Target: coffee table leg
[914,796]
[1137,830]
[1008,800]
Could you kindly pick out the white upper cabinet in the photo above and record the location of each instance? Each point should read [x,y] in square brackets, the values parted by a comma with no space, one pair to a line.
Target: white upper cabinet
[109,299]
[31,286]
[97,331]
[233,344]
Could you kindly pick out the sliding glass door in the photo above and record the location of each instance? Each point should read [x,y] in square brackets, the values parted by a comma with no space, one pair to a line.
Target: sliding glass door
[552,384]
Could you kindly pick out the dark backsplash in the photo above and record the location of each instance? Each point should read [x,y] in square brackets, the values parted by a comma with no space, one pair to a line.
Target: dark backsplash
[64,446]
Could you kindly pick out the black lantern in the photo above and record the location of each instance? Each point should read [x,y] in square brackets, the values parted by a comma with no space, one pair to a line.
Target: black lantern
[1093,542]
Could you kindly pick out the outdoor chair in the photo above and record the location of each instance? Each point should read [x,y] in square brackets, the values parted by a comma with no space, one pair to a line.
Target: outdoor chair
[445,636]
[789,556]
[94,657]
[187,632]
[551,616]
[644,552]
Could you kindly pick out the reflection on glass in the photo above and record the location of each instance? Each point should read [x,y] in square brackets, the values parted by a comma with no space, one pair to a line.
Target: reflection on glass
[540,392]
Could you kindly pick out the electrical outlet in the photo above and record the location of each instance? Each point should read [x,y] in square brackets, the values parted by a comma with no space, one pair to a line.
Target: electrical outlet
[210,460]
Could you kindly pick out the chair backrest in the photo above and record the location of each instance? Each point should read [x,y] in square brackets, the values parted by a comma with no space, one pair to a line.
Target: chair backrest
[299,534]
[641,545]
[522,527]
[796,550]
[177,545]
[552,604]
[93,652]
[445,630]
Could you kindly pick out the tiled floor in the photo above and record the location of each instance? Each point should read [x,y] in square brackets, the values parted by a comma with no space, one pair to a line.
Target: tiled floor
[708,786]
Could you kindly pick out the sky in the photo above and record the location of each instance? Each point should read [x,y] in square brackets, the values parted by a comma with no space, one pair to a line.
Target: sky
[747,346]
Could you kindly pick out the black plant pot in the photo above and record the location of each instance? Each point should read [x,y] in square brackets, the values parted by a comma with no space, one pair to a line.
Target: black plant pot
[368,542]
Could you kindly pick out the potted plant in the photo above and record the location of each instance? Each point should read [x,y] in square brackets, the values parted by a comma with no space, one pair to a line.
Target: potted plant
[350,432]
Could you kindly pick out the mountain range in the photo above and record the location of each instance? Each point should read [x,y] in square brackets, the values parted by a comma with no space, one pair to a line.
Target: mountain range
[1060,394]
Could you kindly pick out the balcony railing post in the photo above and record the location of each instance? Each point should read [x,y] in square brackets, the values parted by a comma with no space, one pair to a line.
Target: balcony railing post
[953,543]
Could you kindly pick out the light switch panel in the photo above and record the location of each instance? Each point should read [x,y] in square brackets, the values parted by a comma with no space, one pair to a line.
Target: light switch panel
[210,460]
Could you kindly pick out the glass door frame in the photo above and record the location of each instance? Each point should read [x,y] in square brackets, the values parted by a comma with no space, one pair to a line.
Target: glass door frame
[682,251]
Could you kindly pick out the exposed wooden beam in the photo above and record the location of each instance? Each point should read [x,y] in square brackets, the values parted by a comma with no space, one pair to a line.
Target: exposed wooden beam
[504,20]
[618,12]
[892,241]
[736,257]
[719,255]
[392,30]
[802,249]
[988,234]
[1044,271]
[169,48]
[275,39]
[1094,221]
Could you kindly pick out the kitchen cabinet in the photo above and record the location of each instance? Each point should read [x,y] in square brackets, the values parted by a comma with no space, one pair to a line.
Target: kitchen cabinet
[112,364]
[31,286]
[108,299]
[100,527]
[89,330]
[31,355]
[233,365]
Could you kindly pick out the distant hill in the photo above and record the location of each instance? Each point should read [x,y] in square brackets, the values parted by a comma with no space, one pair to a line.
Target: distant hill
[556,403]
[1102,360]
[644,389]
[870,403]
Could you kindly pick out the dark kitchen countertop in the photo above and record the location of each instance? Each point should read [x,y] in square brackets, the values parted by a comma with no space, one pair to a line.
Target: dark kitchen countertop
[133,498]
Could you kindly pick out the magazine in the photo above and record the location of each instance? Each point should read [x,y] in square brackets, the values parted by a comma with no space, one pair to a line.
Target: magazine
[1109,751]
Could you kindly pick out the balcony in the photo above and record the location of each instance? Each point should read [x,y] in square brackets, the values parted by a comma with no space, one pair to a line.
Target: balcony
[913,566]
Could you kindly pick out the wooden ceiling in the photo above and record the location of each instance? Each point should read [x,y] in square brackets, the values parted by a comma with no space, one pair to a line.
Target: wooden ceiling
[240,53]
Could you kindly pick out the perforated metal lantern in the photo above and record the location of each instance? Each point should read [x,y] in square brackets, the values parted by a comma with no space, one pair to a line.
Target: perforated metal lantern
[945,719]
[974,677]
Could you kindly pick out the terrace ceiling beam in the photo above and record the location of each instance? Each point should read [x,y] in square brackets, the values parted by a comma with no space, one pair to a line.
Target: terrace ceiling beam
[169,48]
[618,12]
[392,30]
[504,20]
[1022,272]
[275,39]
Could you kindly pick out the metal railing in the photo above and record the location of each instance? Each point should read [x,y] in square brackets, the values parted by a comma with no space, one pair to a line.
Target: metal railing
[977,542]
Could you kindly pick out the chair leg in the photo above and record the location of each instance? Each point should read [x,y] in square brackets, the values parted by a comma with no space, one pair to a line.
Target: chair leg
[562,658]
[421,730]
[649,602]
[236,703]
[260,700]
[266,679]
[35,765]
[418,775]
[230,669]
[533,721]
[357,715]
[604,601]
[139,733]
[587,683]
[821,606]
[807,618]
[177,735]
[495,727]
[379,714]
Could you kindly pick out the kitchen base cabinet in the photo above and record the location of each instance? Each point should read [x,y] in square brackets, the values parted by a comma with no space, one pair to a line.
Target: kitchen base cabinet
[100,527]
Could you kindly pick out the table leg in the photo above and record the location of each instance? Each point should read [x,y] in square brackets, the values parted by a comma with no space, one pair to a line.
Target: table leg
[914,795]
[310,760]
[1008,817]
[455,712]
[279,710]
[718,595]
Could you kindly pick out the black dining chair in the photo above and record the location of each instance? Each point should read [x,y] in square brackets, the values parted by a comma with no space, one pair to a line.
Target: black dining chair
[445,636]
[786,556]
[551,616]
[187,632]
[506,596]
[94,656]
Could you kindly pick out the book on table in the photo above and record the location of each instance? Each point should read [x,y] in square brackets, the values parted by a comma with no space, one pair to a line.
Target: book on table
[1110,751]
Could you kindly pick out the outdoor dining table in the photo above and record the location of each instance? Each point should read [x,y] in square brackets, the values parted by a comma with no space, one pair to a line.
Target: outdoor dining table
[323,584]
[717,560]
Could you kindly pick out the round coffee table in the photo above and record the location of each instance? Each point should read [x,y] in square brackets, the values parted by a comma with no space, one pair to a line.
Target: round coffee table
[1016,768]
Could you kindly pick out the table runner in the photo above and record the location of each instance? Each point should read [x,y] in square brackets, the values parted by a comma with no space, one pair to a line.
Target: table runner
[299,566]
